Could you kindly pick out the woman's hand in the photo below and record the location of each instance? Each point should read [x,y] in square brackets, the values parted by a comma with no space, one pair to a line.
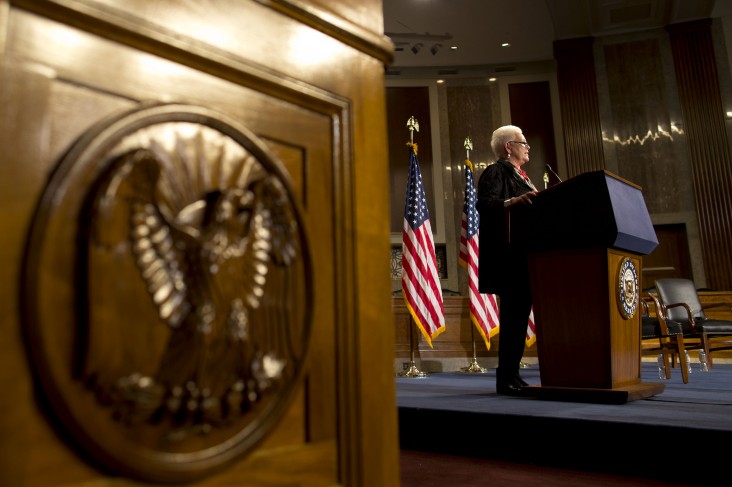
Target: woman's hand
[524,199]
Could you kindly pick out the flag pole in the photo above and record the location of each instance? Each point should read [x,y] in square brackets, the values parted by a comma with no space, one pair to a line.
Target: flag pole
[412,371]
[473,365]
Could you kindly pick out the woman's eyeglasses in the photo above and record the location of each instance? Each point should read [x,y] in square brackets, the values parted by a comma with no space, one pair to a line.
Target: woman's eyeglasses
[525,144]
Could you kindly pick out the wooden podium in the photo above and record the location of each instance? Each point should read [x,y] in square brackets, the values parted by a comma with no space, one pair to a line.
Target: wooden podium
[585,239]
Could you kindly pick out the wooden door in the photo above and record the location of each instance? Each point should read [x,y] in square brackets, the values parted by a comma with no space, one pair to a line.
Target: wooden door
[671,258]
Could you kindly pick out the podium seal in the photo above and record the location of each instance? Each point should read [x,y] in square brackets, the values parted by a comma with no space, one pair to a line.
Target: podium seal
[627,287]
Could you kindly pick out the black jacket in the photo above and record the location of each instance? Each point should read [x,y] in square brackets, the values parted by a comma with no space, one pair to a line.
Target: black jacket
[499,264]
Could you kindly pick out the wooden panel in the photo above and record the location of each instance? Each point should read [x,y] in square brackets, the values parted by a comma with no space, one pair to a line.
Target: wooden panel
[460,340]
[456,341]
[624,331]
[573,320]
[717,304]
[70,64]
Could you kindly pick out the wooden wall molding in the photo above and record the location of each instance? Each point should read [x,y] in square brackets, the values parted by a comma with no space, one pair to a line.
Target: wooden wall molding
[706,132]
[580,107]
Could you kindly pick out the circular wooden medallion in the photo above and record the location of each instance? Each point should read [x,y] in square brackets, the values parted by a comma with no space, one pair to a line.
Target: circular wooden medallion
[167,292]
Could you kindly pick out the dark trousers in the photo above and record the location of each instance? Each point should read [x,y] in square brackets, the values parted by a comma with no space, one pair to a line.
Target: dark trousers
[515,308]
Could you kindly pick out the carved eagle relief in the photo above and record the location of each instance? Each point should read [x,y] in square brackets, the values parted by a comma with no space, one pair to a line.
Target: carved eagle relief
[214,250]
[167,292]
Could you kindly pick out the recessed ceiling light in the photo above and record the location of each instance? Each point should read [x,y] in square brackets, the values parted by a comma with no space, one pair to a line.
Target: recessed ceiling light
[453,48]
[506,44]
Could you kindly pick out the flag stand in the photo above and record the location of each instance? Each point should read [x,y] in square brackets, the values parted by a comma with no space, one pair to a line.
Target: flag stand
[420,276]
[412,371]
[473,366]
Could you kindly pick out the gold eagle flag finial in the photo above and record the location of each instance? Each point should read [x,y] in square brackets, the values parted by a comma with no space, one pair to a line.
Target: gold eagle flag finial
[412,125]
[468,144]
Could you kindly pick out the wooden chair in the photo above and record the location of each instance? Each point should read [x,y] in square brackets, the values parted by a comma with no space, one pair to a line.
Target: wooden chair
[661,336]
[680,302]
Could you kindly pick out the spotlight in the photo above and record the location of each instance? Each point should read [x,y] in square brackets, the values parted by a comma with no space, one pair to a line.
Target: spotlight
[416,48]
[435,48]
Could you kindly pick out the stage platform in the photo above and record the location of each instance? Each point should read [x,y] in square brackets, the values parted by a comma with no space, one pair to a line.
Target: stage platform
[679,435]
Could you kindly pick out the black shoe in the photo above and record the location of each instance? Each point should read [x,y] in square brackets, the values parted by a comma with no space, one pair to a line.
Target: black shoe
[522,382]
[510,388]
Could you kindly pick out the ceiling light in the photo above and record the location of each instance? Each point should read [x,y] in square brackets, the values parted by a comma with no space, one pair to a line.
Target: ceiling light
[416,48]
[435,48]
[505,44]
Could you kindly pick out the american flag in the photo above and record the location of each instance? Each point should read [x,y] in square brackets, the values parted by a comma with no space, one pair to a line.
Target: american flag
[420,279]
[483,307]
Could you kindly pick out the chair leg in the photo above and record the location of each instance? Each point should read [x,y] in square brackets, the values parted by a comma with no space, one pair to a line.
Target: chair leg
[684,365]
[666,367]
[705,346]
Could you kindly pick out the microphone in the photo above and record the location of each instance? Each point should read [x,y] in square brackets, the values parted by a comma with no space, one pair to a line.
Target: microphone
[549,168]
